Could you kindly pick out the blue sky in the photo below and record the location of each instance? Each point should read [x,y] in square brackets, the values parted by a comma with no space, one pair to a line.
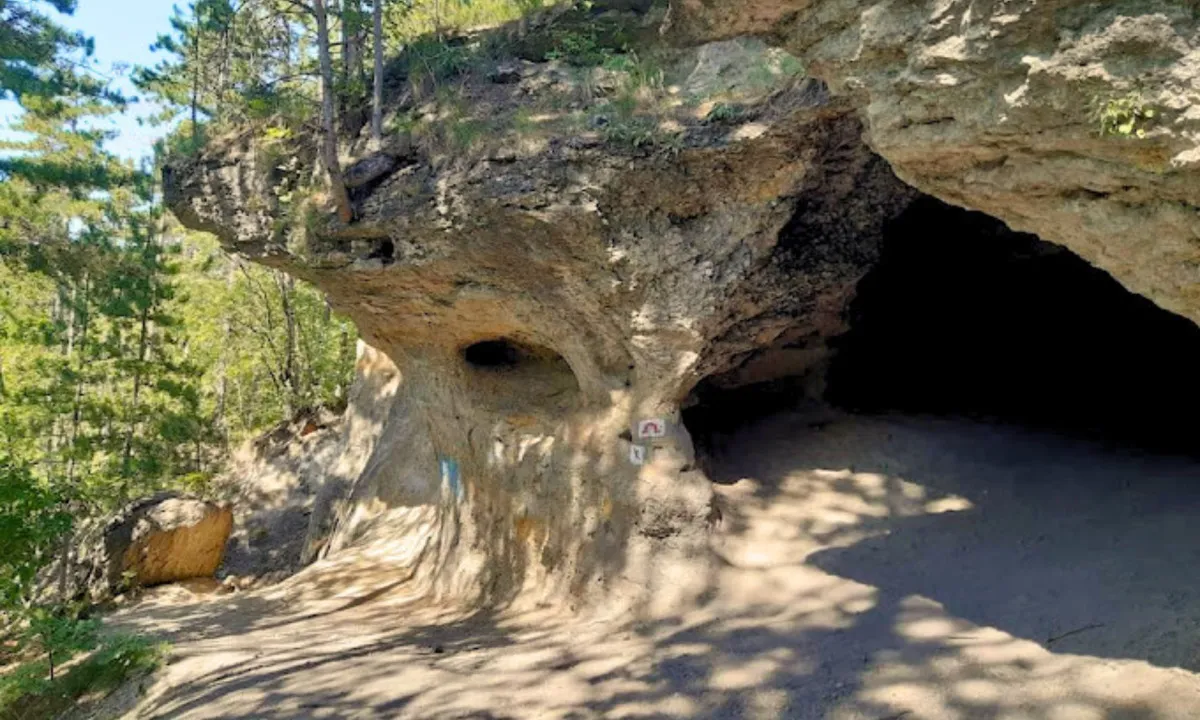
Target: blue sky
[123,31]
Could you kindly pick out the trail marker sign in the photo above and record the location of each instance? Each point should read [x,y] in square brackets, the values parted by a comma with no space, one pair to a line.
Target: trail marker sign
[651,428]
[450,477]
[637,454]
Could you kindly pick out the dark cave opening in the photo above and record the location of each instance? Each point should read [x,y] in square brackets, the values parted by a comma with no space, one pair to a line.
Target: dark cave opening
[494,354]
[511,376]
[384,251]
[963,317]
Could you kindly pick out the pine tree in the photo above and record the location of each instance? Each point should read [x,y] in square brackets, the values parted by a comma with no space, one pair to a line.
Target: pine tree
[329,141]
[38,57]
[377,85]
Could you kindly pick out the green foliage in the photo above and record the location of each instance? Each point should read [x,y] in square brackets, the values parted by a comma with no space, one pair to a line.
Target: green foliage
[28,693]
[113,382]
[265,345]
[724,113]
[229,64]
[639,132]
[58,635]
[57,147]
[466,132]
[186,141]
[406,21]
[131,354]
[641,71]
[39,58]
[429,62]
[32,520]
[579,47]
[522,121]
[1124,116]
[197,483]
[47,71]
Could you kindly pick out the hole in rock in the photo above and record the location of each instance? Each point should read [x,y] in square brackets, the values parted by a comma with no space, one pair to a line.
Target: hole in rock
[713,414]
[385,250]
[493,354]
[964,317]
[1079,547]
[510,375]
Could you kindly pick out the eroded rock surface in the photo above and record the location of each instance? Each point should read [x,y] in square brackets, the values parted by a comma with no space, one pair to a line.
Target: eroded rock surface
[999,106]
[543,293]
[554,257]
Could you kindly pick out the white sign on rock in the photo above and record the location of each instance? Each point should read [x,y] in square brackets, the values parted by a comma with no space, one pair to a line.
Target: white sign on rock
[652,428]
[637,454]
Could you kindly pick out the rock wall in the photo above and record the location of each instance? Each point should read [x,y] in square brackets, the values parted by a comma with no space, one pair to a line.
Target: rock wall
[541,307]
[545,298]
[291,488]
[999,106]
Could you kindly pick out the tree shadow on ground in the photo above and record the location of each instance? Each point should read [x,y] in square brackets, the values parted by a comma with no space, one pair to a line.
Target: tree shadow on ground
[875,569]
[1075,548]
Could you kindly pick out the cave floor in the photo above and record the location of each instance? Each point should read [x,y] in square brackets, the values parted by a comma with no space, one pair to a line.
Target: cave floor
[871,569]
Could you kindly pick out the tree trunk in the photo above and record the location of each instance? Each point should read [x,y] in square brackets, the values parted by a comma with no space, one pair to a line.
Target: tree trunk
[77,405]
[76,418]
[220,413]
[291,371]
[329,144]
[377,95]
[143,342]
[354,38]
[196,87]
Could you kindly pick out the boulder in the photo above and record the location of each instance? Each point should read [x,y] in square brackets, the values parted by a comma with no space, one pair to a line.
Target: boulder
[163,539]
[368,170]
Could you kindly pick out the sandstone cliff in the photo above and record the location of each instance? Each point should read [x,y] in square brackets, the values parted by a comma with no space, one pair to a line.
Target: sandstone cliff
[547,271]
[1076,121]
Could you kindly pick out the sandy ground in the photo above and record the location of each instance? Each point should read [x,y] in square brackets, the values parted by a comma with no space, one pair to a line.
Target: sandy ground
[872,569]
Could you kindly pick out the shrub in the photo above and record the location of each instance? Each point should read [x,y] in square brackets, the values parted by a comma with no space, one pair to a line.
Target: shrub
[1124,116]
[724,113]
[28,693]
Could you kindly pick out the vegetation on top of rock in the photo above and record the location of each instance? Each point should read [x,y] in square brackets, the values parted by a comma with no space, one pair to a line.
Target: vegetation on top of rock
[1126,115]
[1022,110]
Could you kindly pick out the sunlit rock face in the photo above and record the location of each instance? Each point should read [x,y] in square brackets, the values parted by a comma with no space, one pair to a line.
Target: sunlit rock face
[542,306]
[1003,106]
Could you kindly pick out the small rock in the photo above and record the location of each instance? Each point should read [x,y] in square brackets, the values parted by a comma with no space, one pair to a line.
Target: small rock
[505,154]
[505,74]
[584,141]
[369,169]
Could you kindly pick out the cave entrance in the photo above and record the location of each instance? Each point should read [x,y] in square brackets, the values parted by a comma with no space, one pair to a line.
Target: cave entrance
[496,354]
[513,375]
[964,317]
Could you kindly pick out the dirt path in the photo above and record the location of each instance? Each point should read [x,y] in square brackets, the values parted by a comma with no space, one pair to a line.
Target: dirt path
[873,570]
